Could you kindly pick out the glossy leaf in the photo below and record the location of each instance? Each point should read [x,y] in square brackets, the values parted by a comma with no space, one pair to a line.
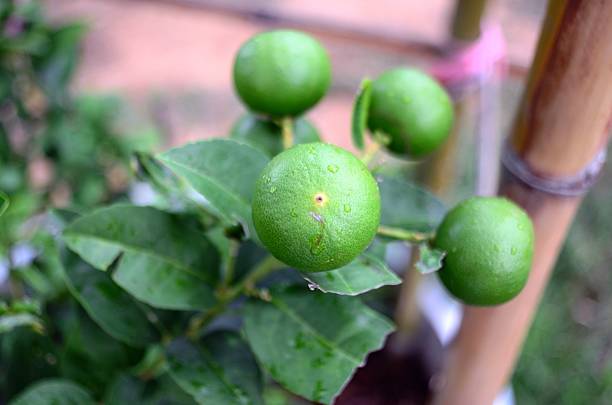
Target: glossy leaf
[219,369]
[367,272]
[109,306]
[310,342]
[407,206]
[360,113]
[430,259]
[161,260]
[127,389]
[54,391]
[88,355]
[224,172]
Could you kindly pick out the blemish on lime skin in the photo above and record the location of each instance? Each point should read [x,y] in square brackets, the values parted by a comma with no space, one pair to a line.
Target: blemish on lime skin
[272,189]
[332,168]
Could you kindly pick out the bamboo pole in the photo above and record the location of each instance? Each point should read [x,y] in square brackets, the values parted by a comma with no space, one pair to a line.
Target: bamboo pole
[560,127]
[466,19]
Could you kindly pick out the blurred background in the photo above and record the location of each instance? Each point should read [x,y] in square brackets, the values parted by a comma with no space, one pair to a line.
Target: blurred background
[155,73]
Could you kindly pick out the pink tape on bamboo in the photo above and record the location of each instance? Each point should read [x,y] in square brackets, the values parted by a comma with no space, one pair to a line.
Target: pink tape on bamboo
[470,63]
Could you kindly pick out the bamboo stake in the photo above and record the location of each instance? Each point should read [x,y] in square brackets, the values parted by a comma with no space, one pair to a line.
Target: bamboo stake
[559,129]
[466,20]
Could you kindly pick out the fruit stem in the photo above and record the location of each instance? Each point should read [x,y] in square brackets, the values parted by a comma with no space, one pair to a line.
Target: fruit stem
[226,296]
[371,149]
[265,267]
[287,132]
[402,234]
[230,265]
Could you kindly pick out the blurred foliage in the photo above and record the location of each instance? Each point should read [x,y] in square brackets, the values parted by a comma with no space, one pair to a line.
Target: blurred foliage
[62,150]
[567,358]
[54,148]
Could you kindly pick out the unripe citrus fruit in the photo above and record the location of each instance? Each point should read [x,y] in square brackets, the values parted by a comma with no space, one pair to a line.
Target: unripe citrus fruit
[316,207]
[266,135]
[412,109]
[489,245]
[281,73]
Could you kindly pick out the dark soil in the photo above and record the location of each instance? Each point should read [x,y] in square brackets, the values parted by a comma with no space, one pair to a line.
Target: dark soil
[401,373]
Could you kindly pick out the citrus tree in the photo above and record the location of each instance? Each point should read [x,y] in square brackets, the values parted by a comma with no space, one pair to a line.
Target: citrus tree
[246,271]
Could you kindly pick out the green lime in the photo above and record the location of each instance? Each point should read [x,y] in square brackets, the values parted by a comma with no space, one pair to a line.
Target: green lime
[412,109]
[281,73]
[489,245]
[266,136]
[316,207]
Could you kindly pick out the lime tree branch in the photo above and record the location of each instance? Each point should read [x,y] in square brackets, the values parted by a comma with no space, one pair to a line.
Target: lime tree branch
[402,234]
[245,286]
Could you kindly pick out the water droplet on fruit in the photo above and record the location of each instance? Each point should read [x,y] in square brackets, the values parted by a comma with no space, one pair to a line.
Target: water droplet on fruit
[332,168]
[272,189]
[513,250]
[347,208]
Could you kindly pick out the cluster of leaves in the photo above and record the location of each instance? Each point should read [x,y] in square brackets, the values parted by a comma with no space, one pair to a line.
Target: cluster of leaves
[186,288]
[178,302]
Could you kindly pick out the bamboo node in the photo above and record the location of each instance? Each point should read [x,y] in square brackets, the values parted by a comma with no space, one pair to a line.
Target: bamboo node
[565,186]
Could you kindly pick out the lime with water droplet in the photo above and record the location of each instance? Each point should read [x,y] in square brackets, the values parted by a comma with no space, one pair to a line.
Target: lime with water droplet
[305,223]
[412,109]
[488,261]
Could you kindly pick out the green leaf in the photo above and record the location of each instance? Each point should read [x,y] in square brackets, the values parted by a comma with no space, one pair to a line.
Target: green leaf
[220,369]
[55,67]
[310,342]
[11,321]
[367,272]
[224,172]
[360,113]
[91,357]
[88,355]
[24,355]
[430,259]
[54,391]
[161,259]
[127,389]
[406,206]
[109,306]
[4,203]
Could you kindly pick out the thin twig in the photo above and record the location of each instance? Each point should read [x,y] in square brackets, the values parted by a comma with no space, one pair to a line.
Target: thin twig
[402,234]
[247,285]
